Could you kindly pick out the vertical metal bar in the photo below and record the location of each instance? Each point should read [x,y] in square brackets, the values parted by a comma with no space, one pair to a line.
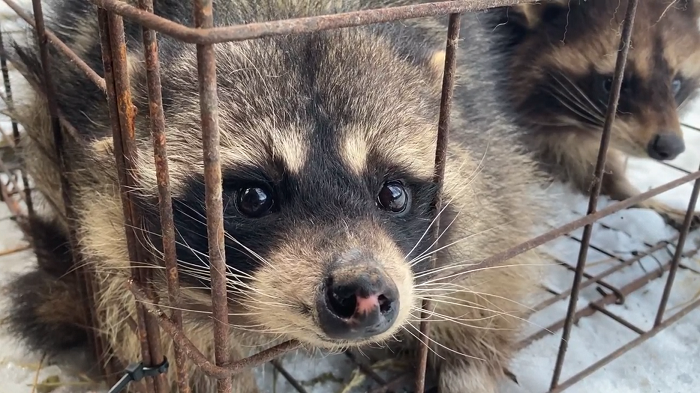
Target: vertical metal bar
[597,183]
[440,159]
[208,101]
[84,274]
[155,103]
[127,115]
[15,129]
[122,115]
[676,261]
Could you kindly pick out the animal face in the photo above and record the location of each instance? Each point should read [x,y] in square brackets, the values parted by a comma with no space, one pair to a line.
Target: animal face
[564,60]
[327,159]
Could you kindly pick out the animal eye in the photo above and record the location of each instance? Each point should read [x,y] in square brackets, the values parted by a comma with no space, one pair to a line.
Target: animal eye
[393,197]
[254,201]
[676,85]
[607,84]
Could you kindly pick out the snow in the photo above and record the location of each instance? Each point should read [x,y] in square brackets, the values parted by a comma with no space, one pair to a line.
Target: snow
[669,362]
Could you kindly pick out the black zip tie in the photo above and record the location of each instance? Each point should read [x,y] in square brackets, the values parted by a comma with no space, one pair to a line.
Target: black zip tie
[136,372]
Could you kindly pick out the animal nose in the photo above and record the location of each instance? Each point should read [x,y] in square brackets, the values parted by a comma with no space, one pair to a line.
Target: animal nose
[665,146]
[358,303]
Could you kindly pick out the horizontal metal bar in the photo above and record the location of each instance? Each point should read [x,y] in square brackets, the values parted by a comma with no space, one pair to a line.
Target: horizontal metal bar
[193,352]
[555,233]
[626,348]
[298,25]
[89,72]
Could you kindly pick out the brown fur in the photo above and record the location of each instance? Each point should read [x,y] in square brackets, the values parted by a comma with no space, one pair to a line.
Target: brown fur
[490,189]
[570,40]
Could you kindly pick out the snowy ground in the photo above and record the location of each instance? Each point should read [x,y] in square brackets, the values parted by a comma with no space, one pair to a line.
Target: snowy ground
[668,363]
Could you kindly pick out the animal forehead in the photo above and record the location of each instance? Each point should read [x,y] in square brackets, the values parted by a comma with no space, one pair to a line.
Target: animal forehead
[663,37]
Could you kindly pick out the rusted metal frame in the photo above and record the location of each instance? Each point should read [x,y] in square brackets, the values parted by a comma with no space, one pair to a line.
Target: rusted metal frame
[626,348]
[618,319]
[193,352]
[13,250]
[60,45]
[564,229]
[157,117]
[602,302]
[292,381]
[298,25]
[209,108]
[603,284]
[443,133]
[596,278]
[599,172]
[122,115]
[15,129]
[83,273]
[689,215]
[691,127]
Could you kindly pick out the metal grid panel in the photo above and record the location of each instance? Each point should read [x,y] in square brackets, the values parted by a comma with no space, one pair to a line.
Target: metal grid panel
[151,318]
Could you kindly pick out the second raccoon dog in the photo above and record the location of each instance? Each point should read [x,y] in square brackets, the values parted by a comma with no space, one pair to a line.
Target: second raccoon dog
[327,150]
[562,57]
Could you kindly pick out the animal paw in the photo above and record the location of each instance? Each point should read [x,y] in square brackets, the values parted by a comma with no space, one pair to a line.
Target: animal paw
[673,217]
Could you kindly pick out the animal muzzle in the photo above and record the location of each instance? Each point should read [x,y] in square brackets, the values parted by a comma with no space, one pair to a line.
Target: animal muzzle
[665,146]
[358,301]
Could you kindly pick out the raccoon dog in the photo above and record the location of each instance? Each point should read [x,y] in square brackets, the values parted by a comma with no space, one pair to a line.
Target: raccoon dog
[562,57]
[327,144]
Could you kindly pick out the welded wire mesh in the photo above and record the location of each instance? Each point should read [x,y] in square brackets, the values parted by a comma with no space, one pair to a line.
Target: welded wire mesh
[151,318]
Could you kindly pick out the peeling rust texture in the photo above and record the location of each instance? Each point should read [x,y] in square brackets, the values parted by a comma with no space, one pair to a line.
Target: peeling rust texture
[208,102]
[155,105]
[122,115]
[298,25]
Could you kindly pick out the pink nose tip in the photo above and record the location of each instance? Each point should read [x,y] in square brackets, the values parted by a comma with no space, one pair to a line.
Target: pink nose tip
[366,305]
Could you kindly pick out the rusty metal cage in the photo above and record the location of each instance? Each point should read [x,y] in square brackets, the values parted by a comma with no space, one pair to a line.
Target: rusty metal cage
[151,318]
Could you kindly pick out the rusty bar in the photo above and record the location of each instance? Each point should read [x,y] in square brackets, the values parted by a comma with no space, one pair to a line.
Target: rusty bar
[106,47]
[155,105]
[604,301]
[194,354]
[297,25]
[440,159]
[89,72]
[622,321]
[292,381]
[597,183]
[689,215]
[15,130]
[555,233]
[48,87]
[14,250]
[126,115]
[624,349]
[208,103]
[602,275]
[603,284]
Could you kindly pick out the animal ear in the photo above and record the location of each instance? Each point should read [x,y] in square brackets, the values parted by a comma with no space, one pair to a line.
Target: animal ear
[532,15]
